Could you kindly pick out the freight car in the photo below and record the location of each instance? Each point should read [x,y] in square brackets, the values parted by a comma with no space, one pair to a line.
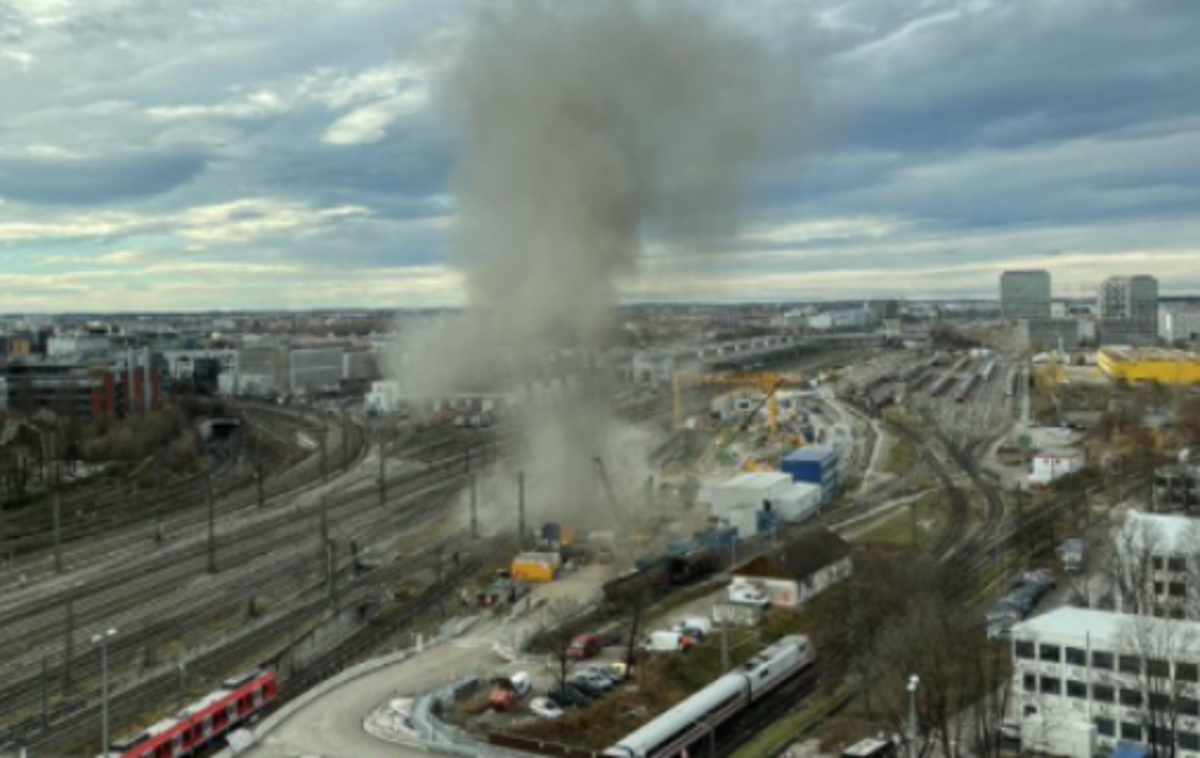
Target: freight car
[965,388]
[657,576]
[694,720]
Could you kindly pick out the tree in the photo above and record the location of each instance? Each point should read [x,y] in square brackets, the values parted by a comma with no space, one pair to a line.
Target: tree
[1167,652]
[558,634]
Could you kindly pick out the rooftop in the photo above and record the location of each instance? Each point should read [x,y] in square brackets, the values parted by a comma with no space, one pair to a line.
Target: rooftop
[1148,354]
[811,453]
[756,480]
[1103,629]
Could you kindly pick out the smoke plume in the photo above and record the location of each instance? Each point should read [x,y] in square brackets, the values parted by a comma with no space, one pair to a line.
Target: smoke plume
[589,131]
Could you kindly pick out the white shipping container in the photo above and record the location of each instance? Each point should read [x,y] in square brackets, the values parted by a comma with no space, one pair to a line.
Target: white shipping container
[783,593]
[737,614]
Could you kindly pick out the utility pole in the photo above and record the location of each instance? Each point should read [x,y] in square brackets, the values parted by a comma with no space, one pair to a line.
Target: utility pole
[725,662]
[521,508]
[212,525]
[260,476]
[441,595]
[324,455]
[58,561]
[331,573]
[474,509]
[467,458]
[382,472]
[69,648]
[916,527]
[102,640]
[323,522]
[45,692]
[345,438]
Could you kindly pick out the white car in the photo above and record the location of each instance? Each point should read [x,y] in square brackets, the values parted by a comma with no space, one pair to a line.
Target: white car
[545,708]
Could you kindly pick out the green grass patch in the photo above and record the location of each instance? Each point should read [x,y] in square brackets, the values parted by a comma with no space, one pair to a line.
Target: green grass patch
[783,731]
[896,529]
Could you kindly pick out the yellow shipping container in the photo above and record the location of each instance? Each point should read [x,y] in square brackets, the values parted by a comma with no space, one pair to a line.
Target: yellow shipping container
[536,567]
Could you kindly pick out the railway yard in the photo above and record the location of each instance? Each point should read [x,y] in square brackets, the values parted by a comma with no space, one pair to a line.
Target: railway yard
[336,538]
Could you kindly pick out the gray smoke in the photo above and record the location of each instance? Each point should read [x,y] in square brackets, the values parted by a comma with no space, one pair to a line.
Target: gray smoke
[589,130]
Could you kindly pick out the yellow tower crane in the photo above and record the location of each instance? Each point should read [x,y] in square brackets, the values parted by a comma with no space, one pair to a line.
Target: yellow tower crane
[767,383]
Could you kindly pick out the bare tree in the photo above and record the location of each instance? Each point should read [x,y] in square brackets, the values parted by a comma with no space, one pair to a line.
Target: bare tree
[1167,651]
[558,635]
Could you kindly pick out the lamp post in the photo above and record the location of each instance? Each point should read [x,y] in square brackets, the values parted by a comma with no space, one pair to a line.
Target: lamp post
[102,640]
[910,729]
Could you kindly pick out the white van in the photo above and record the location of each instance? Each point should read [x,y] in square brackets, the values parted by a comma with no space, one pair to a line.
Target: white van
[522,682]
[663,642]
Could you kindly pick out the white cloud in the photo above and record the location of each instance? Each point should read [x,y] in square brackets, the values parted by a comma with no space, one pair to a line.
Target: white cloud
[21,60]
[254,105]
[51,152]
[369,124]
[237,221]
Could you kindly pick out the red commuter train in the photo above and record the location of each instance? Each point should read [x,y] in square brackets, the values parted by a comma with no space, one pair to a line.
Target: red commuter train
[203,722]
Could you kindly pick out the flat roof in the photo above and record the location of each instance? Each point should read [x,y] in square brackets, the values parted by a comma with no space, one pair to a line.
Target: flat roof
[811,453]
[1149,355]
[1160,533]
[756,480]
[1104,629]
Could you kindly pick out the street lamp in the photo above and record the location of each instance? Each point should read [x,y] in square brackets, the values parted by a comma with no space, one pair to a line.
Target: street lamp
[910,735]
[102,640]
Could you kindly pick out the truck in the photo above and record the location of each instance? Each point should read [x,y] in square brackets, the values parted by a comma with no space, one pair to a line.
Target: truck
[1071,552]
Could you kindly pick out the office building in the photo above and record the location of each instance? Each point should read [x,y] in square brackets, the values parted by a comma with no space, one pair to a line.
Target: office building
[1025,295]
[1179,324]
[1041,334]
[1128,310]
[1087,679]
[1156,556]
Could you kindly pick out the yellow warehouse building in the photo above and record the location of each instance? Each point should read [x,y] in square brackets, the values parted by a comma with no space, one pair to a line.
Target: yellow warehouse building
[1140,365]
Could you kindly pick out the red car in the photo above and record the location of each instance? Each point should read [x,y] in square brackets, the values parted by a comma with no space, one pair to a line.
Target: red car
[585,646]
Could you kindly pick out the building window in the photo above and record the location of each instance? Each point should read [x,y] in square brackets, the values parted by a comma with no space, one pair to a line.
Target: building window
[1158,668]
[1131,732]
[1051,685]
[1076,689]
[1103,693]
[1177,589]
[1024,649]
[1030,683]
[1177,564]
[1106,727]
[1076,657]
[1159,588]
[1158,735]
[1131,664]
[1158,563]
[1131,698]
[1102,661]
[1051,653]
[1188,741]
[1187,706]
[1187,672]
[1160,701]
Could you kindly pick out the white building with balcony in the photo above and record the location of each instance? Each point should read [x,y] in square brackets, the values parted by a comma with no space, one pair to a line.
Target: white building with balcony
[1084,680]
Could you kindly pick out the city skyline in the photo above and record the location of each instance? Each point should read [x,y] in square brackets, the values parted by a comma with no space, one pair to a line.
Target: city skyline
[260,158]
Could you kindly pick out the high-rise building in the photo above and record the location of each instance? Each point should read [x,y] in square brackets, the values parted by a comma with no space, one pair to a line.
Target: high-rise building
[1128,309]
[1025,295]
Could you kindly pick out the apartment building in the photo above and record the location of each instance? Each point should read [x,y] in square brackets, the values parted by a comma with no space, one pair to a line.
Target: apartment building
[1084,680]
[1157,557]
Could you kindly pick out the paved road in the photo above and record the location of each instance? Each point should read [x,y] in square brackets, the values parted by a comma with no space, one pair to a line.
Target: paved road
[332,726]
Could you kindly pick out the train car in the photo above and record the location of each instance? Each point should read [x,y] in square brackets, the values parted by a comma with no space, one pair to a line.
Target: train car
[986,374]
[627,586]
[939,387]
[691,566]
[965,388]
[204,722]
[695,718]
[1013,382]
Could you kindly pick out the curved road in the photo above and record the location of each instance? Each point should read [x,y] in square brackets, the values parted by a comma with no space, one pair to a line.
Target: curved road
[332,725]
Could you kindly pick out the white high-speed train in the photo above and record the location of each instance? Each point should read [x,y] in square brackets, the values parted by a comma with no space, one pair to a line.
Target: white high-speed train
[697,717]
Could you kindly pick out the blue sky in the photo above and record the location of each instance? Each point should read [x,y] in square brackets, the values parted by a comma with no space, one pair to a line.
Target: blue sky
[167,154]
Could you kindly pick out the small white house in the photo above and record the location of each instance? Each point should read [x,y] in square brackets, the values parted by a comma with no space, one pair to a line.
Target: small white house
[795,573]
[1051,464]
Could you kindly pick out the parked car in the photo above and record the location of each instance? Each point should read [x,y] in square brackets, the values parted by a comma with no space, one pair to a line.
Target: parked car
[570,696]
[546,708]
[585,646]
[606,672]
[591,687]
[696,627]
[510,691]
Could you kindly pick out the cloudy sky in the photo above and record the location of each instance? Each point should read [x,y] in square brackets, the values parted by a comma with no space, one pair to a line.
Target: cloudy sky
[172,154]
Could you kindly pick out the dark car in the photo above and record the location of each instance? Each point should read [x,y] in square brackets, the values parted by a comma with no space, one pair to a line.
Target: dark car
[589,688]
[570,696]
